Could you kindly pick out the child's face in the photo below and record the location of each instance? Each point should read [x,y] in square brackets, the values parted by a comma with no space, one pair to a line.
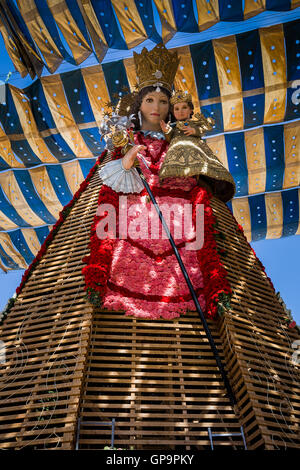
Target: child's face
[182,111]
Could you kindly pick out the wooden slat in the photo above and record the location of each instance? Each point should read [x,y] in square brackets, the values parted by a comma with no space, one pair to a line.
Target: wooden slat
[159,379]
[47,335]
[161,382]
[257,345]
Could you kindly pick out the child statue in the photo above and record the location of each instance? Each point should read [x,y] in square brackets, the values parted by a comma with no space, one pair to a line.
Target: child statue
[189,155]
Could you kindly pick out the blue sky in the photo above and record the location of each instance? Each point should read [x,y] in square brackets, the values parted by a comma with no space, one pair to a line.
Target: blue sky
[281,257]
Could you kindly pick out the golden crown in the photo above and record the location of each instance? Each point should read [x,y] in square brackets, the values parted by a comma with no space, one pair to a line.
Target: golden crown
[156,67]
[179,96]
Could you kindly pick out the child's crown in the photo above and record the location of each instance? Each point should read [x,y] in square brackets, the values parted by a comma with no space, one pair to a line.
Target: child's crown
[180,96]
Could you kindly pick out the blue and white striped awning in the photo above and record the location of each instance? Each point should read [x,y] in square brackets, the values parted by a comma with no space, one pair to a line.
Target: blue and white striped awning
[44,33]
[248,82]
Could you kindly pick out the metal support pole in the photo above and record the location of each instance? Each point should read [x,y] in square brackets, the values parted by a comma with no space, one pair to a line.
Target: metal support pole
[210,438]
[92,423]
[226,434]
[112,432]
[78,431]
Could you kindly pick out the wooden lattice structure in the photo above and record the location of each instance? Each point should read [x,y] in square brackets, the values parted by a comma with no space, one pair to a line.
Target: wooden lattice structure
[66,359]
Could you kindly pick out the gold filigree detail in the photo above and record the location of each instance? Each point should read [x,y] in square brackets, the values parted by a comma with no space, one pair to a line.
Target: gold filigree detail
[180,96]
[156,67]
[191,156]
[120,138]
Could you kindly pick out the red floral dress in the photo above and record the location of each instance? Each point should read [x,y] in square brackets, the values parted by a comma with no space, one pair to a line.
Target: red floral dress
[140,275]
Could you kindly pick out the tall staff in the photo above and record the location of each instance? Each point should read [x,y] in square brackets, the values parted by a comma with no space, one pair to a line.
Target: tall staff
[192,291]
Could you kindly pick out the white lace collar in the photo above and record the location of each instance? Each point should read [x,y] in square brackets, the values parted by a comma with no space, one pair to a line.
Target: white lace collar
[155,134]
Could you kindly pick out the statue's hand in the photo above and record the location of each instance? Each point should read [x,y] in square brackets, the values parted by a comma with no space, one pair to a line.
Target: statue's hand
[188,130]
[130,156]
[165,127]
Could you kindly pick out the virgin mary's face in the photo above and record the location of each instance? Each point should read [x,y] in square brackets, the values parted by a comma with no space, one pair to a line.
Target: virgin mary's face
[154,108]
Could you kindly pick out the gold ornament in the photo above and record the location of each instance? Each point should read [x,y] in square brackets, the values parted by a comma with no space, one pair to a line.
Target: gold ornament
[180,96]
[123,139]
[120,138]
[182,124]
[156,68]
[204,121]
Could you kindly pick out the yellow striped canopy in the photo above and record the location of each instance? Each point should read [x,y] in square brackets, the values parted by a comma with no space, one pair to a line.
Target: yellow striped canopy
[249,82]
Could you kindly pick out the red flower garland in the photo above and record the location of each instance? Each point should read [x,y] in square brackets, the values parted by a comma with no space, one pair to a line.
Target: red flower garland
[99,260]
[152,297]
[216,286]
[96,273]
[62,216]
